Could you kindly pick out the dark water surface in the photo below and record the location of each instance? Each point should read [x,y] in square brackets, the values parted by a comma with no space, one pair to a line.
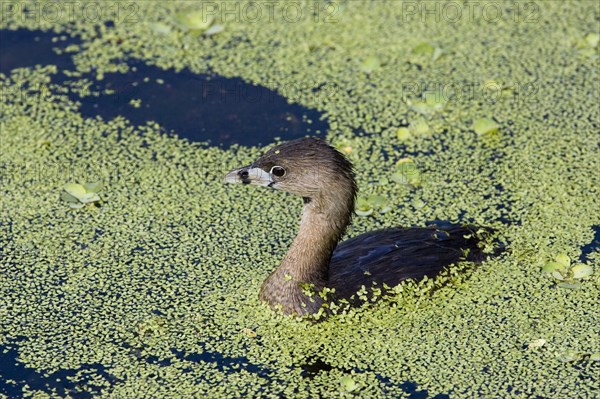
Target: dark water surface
[222,111]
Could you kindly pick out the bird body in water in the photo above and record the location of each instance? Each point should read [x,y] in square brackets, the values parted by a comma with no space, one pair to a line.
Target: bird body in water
[324,178]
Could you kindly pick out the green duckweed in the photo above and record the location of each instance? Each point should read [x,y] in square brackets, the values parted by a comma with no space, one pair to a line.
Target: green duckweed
[158,285]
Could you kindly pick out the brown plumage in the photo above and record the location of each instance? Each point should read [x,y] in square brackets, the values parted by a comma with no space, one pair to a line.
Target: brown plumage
[324,178]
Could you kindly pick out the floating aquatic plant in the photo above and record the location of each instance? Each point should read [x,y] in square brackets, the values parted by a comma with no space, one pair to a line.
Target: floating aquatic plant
[423,48]
[135,102]
[403,134]
[370,64]
[427,51]
[160,28]
[348,384]
[214,29]
[485,126]
[431,102]
[420,127]
[536,343]
[572,355]
[366,206]
[407,173]
[206,277]
[570,277]
[588,45]
[78,195]
[197,21]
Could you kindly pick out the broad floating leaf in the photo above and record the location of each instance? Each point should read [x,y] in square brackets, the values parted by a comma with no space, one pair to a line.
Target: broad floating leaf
[568,356]
[194,20]
[558,276]
[65,196]
[437,53]
[403,134]
[348,384]
[592,39]
[160,28]
[77,195]
[377,200]
[420,127]
[569,285]
[537,343]
[75,189]
[485,126]
[366,206]
[213,30]
[88,198]
[363,211]
[436,100]
[563,260]
[552,267]
[582,271]
[370,64]
[93,187]
[423,48]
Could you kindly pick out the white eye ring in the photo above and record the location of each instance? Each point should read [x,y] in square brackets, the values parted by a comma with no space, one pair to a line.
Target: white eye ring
[277,171]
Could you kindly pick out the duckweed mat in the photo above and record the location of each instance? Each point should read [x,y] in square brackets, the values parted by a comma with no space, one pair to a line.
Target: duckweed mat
[146,285]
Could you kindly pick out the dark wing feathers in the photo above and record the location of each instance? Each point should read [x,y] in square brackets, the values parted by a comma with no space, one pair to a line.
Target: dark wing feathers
[392,255]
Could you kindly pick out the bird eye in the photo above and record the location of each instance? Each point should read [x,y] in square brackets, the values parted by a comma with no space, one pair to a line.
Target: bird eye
[278,171]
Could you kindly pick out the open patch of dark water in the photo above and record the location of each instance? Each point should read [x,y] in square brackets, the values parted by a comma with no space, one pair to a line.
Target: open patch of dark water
[24,48]
[222,111]
[593,246]
[15,376]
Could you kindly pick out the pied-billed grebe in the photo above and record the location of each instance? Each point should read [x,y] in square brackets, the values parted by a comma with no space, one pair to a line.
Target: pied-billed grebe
[324,178]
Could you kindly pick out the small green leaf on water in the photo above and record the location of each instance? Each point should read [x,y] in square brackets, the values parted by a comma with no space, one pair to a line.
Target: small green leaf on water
[213,30]
[363,208]
[558,276]
[75,189]
[88,198]
[403,134]
[551,267]
[94,187]
[348,384]
[485,126]
[437,99]
[407,172]
[592,39]
[563,260]
[571,286]
[536,343]
[423,48]
[420,107]
[159,27]
[194,20]
[420,127]
[582,271]
[385,209]
[437,53]
[77,195]
[65,196]
[376,200]
[418,203]
[595,357]
[249,332]
[370,64]
[568,356]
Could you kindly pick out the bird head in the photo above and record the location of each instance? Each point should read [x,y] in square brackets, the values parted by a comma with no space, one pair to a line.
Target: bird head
[307,167]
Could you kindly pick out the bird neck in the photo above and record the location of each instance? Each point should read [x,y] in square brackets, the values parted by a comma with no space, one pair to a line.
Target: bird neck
[306,264]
